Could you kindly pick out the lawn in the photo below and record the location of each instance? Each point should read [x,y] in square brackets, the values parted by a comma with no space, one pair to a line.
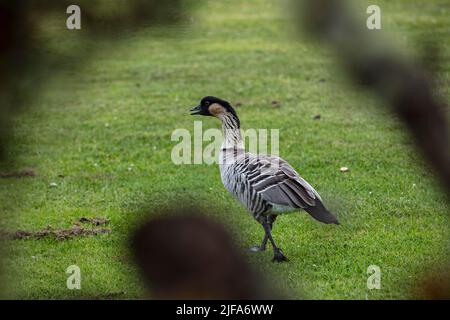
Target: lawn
[99,138]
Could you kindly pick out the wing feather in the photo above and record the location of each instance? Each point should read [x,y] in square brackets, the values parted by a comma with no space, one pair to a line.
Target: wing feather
[277,182]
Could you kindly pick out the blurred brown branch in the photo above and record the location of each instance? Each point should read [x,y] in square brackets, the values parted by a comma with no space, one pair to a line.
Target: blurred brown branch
[191,257]
[434,285]
[26,63]
[24,60]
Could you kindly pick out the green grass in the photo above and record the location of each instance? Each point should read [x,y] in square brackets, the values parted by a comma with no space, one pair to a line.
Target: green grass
[118,110]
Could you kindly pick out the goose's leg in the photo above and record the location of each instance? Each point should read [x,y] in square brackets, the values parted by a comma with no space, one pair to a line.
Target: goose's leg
[263,245]
[278,254]
[264,242]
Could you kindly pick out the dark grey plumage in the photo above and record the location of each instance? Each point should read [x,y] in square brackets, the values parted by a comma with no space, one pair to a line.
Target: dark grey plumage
[266,190]
[266,185]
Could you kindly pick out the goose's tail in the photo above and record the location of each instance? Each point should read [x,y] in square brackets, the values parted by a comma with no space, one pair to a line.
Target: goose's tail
[320,213]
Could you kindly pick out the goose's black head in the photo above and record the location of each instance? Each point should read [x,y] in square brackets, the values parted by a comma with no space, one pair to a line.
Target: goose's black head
[215,107]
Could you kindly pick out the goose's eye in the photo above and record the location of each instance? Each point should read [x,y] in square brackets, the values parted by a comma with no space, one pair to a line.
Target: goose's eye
[207,103]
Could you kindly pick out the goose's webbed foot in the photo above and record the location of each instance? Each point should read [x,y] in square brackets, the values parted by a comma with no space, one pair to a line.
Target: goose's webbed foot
[279,256]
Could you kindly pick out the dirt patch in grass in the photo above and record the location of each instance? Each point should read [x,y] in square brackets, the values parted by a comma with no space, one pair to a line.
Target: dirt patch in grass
[18,174]
[276,104]
[49,232]
[95,221]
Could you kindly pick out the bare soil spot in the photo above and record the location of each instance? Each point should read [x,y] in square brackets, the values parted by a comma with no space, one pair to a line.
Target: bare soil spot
[276,104]
[49,232]
[18,174]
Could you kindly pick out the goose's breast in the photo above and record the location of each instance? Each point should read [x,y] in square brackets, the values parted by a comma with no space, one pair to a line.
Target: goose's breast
[237,184]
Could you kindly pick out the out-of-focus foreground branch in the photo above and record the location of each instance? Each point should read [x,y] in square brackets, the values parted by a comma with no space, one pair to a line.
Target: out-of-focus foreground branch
[28,61]
[403,85]
[185,255]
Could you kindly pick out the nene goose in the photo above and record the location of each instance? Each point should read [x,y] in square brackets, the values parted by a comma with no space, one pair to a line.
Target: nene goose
[266,185]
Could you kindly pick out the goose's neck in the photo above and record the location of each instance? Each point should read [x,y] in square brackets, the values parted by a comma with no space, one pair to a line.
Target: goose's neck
[232,138]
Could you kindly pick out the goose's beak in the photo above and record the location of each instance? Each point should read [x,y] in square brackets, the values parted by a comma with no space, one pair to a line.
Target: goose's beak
[196,110]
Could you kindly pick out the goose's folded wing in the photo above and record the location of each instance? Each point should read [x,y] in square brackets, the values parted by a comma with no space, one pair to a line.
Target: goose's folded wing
[277,182]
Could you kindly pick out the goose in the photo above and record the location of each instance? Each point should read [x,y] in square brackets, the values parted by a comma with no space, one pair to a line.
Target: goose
[266,185]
